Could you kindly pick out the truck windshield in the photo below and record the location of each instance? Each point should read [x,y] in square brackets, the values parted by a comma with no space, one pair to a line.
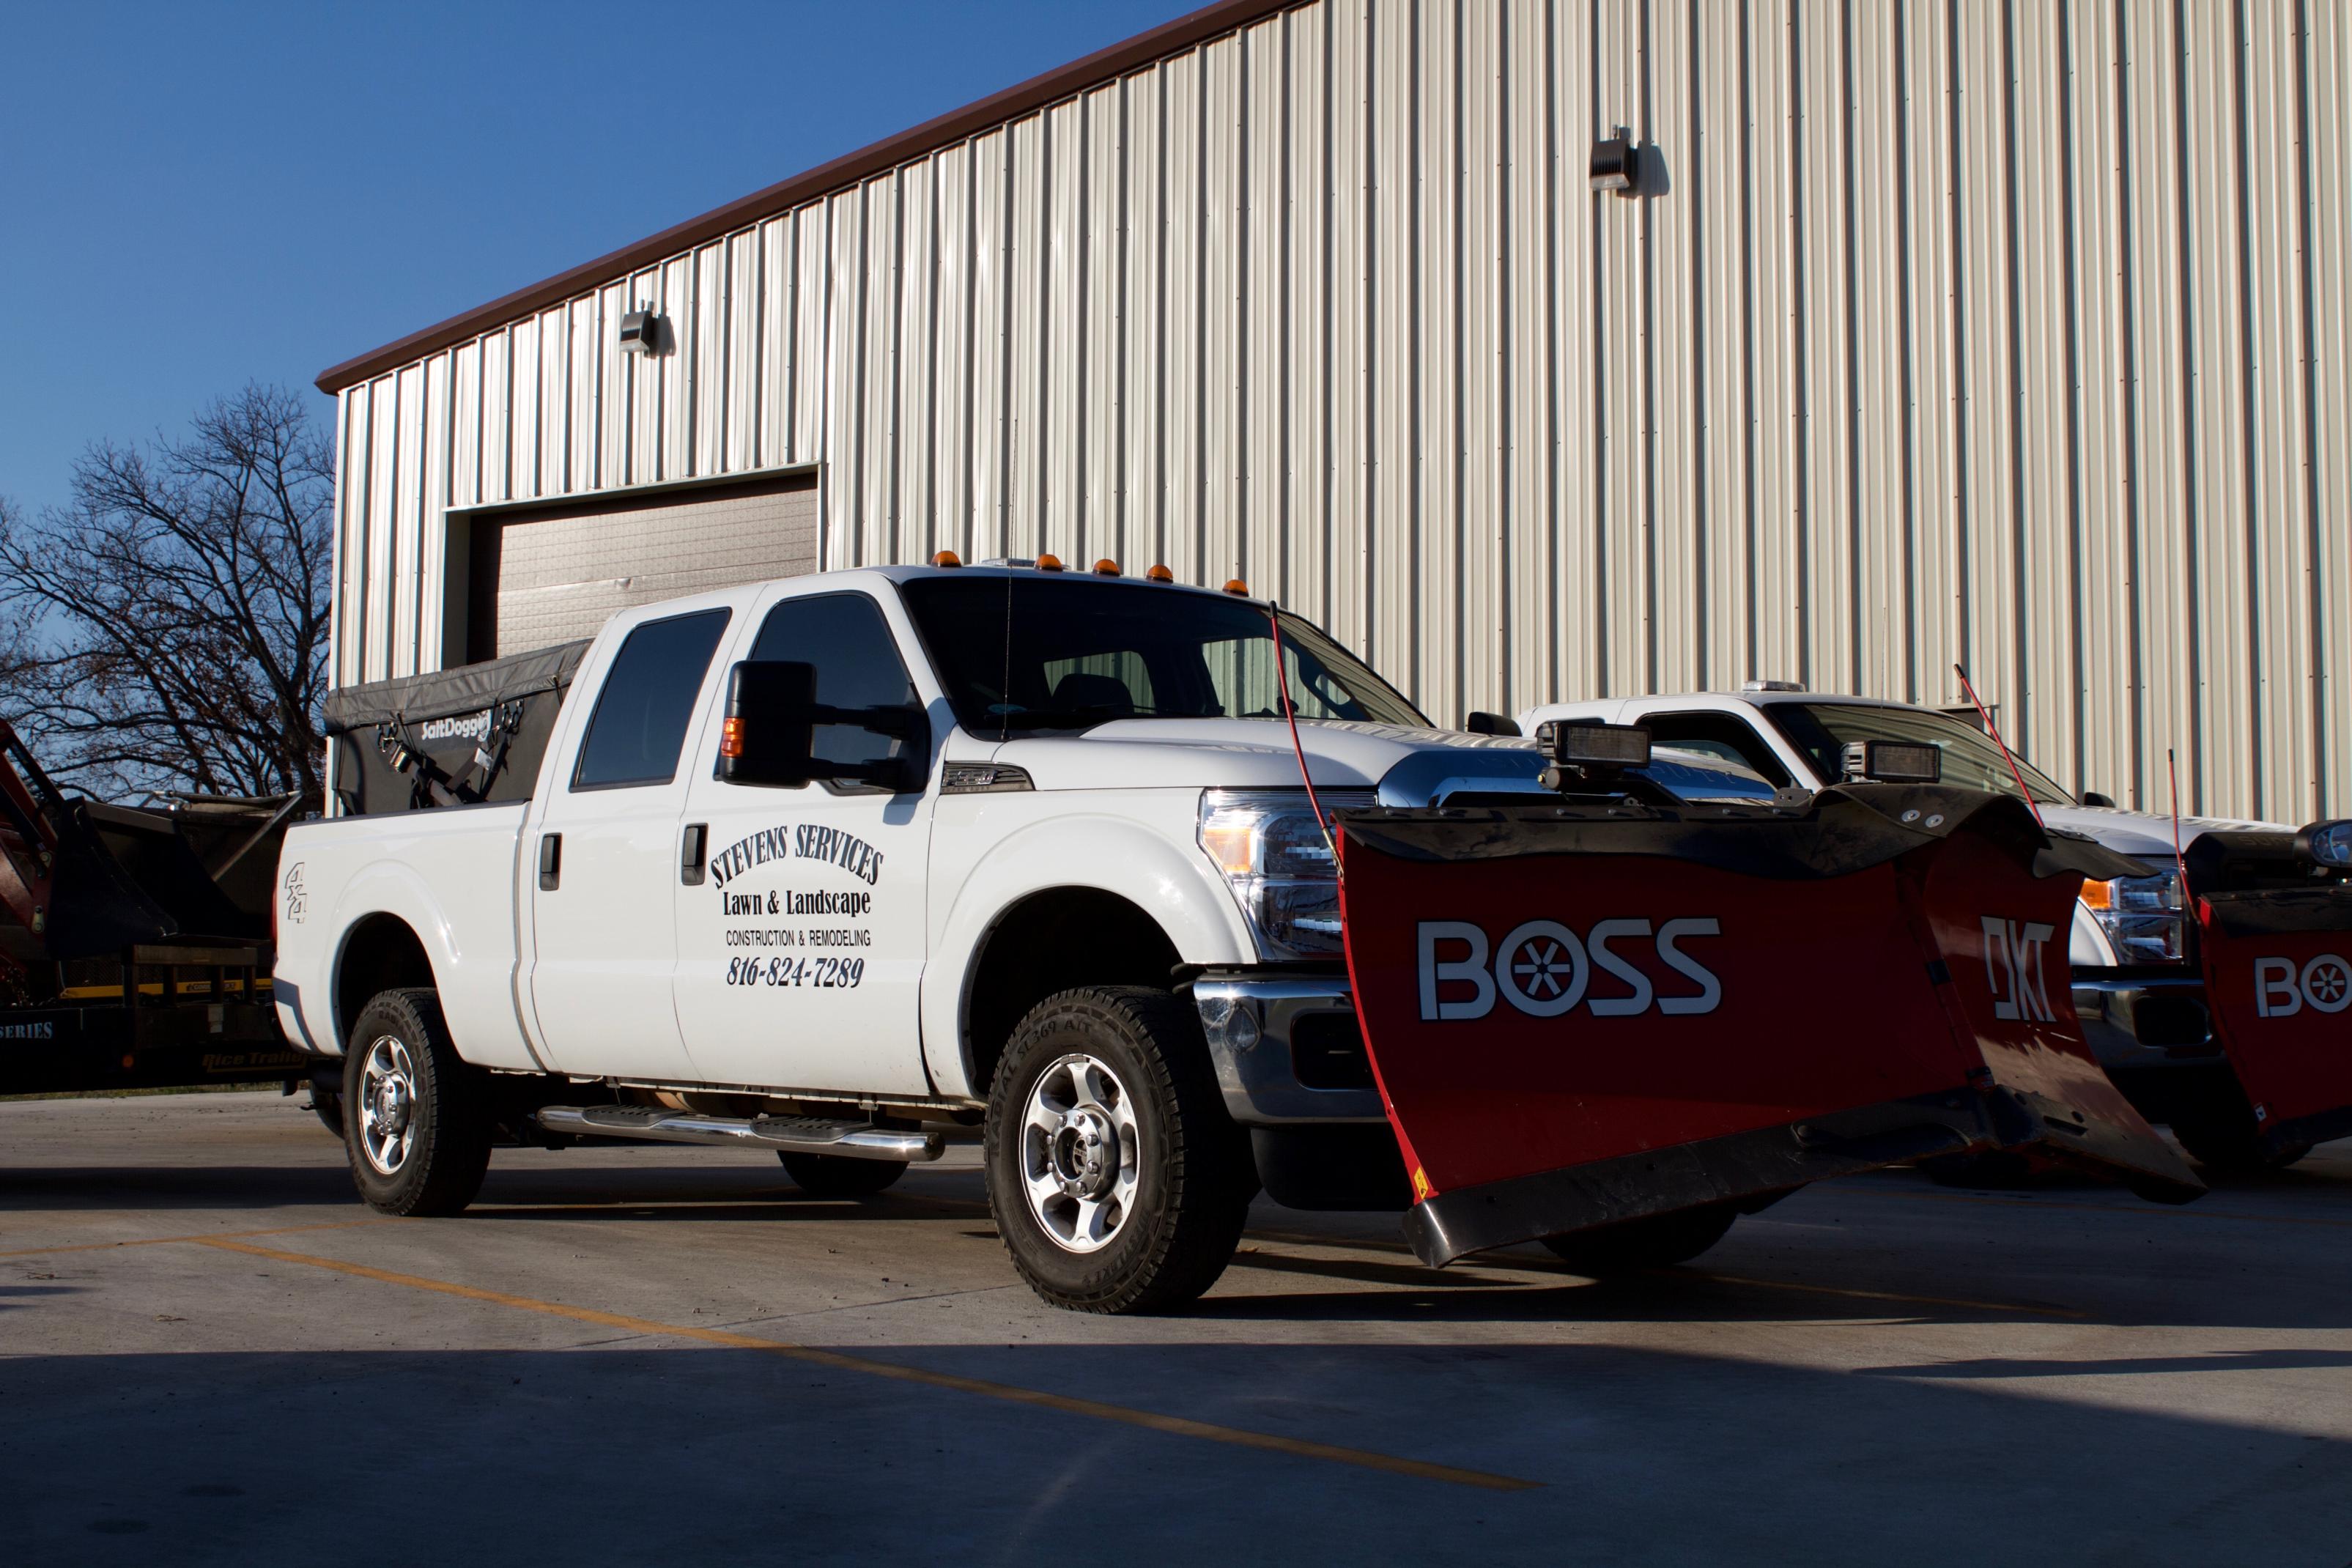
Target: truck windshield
[1820,730]
[1082,653]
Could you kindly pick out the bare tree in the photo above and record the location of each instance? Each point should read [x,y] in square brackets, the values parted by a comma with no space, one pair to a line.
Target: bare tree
[171,621]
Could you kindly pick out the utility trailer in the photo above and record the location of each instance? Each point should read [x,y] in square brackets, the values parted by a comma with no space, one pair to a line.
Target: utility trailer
[137,950]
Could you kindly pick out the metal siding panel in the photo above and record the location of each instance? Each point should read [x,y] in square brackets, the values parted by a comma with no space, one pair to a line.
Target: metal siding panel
[405,517]
[680,367]
[989,424]
[812,228]
[1183,507]
[1673,224]
[354,476]
[2279,522]
[2328,132]
[2218,762]
[1104,238]
[913,498]
[841,489]
[1263,402]
[878,354]
[613,370]
[1025,340]
[772,434]
[2102,495]
[554,399]
[739,332]
[952,451]
[1932,332]
[2042,724]
[1624,554]
[466,426]
[1064,412]
[1306,486]
[1880,614]
[646,293]
[1824,145]
[1576,303]
[1223,324]
[497,416]
[1717,166]
[585,393]
[2161,487]
[433,554]
[1987,339]
[523,381]
[1524,595]
[1477,639]
[1347,346]
[1144,479]
[1774,263]
[1395,384]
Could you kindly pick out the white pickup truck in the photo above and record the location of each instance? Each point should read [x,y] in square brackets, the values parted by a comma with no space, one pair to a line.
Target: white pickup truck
[849,864]
[2136,987]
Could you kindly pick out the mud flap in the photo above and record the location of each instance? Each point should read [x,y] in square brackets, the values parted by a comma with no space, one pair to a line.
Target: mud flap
[2278,982]
[1581,1015]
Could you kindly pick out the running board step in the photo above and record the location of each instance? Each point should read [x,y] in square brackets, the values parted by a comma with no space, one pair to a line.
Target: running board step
[800,1135]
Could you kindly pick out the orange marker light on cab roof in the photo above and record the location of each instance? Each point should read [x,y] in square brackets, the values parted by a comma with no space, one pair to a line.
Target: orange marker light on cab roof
[1049,564]
[946,558]
[730,738]
[1106,567]
[1237,586]
[1159,574]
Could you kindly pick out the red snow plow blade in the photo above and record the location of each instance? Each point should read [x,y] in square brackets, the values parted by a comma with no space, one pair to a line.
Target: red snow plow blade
[1583,1013]
[2275,936]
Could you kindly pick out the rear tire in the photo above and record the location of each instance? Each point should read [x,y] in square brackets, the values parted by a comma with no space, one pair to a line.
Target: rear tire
[1118,1181]
[418,1123]
[1654,1242]
[834,1176]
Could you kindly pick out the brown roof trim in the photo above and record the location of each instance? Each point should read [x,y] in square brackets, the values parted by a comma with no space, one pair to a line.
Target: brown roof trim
[1065,81]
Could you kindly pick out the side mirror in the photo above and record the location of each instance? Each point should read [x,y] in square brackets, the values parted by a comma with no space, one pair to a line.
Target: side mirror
[769,736]
[1491,724]
[1892,761]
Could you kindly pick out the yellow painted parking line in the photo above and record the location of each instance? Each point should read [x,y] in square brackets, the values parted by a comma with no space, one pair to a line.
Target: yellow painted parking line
[2186,1211]
[213,1236]
[1174,1426]
[2023,1309]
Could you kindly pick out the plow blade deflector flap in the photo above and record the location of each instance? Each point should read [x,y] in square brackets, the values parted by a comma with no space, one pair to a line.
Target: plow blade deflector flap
[1583,1013]
[2278,980]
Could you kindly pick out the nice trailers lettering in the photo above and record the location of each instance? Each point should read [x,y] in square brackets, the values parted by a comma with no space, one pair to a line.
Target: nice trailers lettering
[807,841]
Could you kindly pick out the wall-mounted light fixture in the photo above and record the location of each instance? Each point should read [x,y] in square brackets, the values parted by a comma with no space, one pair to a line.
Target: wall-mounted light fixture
[641,332]
[1612,163]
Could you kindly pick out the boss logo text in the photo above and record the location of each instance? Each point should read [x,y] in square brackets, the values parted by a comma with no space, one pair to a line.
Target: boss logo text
[1544,969]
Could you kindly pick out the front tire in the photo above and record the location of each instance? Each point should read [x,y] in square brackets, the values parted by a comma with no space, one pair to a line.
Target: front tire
[1655,1241]
[835,1176]
[1118,1181]
[416,1122]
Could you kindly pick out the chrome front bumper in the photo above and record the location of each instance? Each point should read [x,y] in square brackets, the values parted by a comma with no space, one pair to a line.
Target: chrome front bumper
[2139,1021]
[1265,1032]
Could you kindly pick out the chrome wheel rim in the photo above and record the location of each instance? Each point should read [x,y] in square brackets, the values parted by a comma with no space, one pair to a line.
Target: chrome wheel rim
[1080,1153]
[387,1108]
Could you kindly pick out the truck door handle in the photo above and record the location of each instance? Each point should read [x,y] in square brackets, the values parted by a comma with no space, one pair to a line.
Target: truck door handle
[551,861]
[691,852]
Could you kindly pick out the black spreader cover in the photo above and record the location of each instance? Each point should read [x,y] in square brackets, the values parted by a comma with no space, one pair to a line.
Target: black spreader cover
[444,715]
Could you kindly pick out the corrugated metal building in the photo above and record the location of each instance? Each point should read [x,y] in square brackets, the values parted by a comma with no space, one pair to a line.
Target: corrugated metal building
[1999,331]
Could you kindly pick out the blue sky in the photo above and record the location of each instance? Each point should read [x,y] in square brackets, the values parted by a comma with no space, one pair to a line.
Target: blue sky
[193,197]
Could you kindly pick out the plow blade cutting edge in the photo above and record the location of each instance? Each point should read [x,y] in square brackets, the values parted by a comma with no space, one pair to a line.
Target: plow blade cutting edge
[1584,1013]
[2278,980]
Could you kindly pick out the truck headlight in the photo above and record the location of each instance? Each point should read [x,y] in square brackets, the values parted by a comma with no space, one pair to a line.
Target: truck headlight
[1272,853]
[2144,918]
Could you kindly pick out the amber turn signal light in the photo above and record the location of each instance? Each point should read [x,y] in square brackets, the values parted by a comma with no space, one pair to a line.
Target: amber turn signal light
[1159,574]
[1049,564]
[946,558]
[1106,567]
[730,738]
[1237,586]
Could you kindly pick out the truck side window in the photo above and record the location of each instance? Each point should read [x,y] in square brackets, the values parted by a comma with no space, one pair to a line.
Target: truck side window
[642,713]
[1723,735]
[857,665]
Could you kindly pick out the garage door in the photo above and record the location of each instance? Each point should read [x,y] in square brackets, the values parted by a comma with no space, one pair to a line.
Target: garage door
[549,574]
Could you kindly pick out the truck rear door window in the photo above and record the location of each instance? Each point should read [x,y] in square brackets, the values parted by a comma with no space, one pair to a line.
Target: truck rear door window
[647,701]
